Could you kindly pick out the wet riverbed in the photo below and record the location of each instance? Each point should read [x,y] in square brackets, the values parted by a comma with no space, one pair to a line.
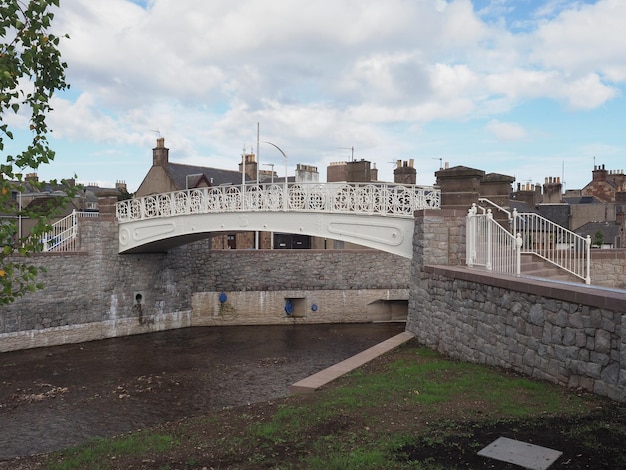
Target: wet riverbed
[51,398]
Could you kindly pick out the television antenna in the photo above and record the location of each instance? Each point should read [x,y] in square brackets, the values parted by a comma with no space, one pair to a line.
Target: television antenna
[349,148]
[440,162]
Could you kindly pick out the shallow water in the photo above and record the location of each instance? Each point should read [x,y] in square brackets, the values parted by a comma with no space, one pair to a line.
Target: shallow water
[52,398]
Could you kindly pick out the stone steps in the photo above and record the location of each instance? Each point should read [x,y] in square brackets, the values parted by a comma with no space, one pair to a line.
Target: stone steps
[533,266]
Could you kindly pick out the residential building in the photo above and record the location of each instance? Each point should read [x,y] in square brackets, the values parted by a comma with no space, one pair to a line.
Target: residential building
[39,198]
[596,210]
[166,176]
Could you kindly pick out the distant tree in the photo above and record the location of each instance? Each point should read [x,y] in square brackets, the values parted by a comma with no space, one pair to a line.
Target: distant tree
[124,195]
[598,239]
[31,70]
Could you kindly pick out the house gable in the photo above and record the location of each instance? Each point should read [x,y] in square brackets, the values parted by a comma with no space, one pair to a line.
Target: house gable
[603,190]
[157,180]
[165,176]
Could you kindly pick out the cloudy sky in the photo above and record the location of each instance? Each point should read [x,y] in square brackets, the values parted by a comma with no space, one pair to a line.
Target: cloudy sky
[527,88]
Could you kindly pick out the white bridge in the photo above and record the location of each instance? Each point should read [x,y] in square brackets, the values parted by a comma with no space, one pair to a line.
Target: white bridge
[376,215]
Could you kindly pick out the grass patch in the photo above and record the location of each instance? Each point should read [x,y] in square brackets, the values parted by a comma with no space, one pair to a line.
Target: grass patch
[357,459]
[101,453]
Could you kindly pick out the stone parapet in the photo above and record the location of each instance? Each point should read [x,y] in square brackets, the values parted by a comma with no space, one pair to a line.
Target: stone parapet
[608,268]
[439,237]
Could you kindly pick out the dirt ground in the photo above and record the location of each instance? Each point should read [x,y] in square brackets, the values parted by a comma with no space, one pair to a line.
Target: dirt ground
[220,439]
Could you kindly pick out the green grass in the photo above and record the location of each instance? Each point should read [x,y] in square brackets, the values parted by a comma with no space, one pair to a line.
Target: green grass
[357,459]
[345,426]
[429,382]
[99,453]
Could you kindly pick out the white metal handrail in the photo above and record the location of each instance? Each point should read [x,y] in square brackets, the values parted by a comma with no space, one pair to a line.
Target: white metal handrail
[62,235]
[488,246]
[494,205]
[553,243]
[362,198]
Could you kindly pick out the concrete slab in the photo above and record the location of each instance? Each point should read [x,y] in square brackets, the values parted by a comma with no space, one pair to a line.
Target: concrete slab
[520,453]
[316,381]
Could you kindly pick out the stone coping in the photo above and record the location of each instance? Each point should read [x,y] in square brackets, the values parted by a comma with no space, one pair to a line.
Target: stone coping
[592,296]
[617,254]
[316,381]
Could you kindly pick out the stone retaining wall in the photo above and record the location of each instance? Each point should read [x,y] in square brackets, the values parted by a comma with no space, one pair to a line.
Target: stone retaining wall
[570,334]
[306,306]
[99,293]
[608,268]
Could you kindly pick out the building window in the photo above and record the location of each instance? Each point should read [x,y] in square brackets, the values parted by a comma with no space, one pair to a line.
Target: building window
[232,241]
[288,241]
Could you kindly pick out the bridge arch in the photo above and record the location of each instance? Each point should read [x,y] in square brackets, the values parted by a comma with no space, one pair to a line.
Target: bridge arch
[378,216]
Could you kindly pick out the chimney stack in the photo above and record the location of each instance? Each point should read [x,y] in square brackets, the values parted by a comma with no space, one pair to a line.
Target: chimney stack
[160,154]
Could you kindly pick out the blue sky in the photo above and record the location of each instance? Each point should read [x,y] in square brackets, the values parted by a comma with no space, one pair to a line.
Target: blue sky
[527,88]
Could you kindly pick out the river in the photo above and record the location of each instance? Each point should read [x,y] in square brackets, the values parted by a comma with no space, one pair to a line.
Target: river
[55,397]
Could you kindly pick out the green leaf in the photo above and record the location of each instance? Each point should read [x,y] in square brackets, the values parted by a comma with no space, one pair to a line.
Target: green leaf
[29,52]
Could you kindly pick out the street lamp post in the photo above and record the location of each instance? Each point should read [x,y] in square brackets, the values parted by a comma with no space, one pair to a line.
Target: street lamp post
[243,167]
[286,158]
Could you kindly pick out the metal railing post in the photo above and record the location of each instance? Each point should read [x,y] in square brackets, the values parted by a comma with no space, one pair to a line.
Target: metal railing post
[518,254]
[588,260]
[470,235]
[489,264]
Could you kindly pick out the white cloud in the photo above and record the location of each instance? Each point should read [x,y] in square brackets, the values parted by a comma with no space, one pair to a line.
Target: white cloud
[506,131]
[584,39]
[588,92]
[331,73]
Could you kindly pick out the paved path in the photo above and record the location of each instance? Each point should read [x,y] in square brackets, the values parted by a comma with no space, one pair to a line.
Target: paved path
[316,381]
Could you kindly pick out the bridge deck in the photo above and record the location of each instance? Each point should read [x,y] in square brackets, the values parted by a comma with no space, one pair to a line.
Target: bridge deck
[376,215]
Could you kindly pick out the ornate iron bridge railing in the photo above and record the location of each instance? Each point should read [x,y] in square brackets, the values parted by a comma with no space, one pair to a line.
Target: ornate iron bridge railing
[361,198]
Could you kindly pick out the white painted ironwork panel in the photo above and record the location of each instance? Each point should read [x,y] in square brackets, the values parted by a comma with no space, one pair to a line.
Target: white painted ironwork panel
[358,198]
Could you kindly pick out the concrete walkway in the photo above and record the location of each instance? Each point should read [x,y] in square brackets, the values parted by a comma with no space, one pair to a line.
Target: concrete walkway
[316,381]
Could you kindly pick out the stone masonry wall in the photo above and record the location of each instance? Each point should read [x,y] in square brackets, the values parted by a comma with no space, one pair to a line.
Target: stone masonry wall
[309,306]
[608,268]
[576,343]
[98,293]
[570,334]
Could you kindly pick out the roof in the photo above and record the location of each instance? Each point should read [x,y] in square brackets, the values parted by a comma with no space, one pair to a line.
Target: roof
[215,176]
[44,204]
[521,207]
[557,213]
[583,200]
[610,230]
